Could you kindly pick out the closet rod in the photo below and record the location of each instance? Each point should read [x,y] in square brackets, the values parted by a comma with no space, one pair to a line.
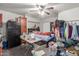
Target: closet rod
[72,20]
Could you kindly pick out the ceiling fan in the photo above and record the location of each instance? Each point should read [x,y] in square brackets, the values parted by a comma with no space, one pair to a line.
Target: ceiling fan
[43,9]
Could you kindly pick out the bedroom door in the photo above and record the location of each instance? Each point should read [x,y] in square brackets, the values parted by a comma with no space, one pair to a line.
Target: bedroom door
[23,24]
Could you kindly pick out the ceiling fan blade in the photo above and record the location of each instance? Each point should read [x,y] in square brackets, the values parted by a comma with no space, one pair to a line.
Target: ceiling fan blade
[47,13]
[50,8]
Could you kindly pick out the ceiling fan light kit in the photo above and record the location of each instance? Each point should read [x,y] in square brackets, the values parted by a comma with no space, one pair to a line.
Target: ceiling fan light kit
[44,9]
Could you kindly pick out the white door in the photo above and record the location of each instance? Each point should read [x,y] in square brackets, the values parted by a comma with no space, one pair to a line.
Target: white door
[46,27]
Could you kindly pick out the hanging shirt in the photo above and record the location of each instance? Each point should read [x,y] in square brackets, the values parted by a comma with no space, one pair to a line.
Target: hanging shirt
[62,32]
[70,28]
[74,32]
[78,30]
[66,32]
[57,33]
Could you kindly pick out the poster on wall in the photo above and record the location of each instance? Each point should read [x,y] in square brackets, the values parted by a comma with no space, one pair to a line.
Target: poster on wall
[0,20]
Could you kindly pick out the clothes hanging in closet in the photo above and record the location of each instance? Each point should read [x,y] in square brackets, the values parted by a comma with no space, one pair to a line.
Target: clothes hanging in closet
[62,29]
[74,32]
[62,32]
[66,32]
[57,32]
[77,27]
[70,28]
[78,30]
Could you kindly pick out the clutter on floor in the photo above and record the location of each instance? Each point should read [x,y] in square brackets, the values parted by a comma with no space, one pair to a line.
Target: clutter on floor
[62,41]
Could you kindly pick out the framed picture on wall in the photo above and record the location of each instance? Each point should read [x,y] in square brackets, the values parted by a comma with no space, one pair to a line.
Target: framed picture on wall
[0,20]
